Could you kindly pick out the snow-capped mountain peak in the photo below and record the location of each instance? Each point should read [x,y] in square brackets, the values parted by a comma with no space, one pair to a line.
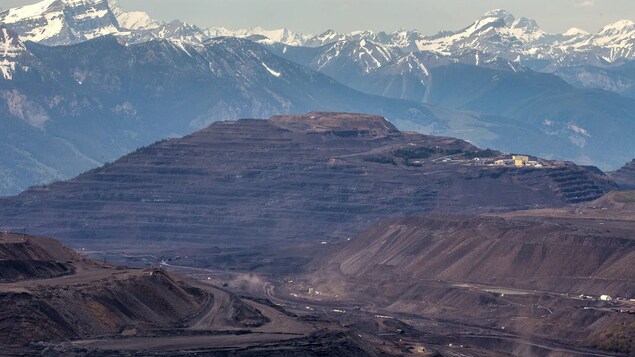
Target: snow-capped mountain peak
[29,11]
[411,63]
[574,31]
[133,20]
[620,26]
[282,35]
[56,22]
[262,35]
[526,30]
[615,41]
[329,36]
[498,33]
[497,15]
[361,34]
[357,55]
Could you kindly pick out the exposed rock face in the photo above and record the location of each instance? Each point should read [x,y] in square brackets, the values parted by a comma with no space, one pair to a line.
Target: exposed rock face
[319,176]
[625,177]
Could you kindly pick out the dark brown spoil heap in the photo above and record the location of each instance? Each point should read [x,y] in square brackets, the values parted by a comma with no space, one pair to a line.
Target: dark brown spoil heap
[625,177]
[52,294]
[317,177]
[24,257]
[110,311]
[59,313]
[510,253]
[539,274]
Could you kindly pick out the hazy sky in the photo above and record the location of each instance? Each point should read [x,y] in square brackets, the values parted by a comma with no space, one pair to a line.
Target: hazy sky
[428,16]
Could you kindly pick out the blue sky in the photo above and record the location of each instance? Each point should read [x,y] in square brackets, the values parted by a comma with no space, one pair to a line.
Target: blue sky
[429,16]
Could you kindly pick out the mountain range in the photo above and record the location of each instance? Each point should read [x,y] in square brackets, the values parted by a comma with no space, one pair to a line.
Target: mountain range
[68,68]
[497,32]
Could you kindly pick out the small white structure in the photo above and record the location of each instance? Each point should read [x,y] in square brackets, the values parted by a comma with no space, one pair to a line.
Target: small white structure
[606,298]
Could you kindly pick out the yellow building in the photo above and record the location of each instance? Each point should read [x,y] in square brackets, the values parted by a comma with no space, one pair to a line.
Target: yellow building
[520,160]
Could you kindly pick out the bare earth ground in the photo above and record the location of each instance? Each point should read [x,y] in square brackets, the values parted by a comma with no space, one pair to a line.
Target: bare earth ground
[216,321]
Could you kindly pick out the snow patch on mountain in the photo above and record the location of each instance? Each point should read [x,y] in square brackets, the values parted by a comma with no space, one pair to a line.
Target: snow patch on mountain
[11,48]
[273,73]
[410,63]
[27,12]
[496,32]
[574,31]
[325,38]
[262,35]
[365,55]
